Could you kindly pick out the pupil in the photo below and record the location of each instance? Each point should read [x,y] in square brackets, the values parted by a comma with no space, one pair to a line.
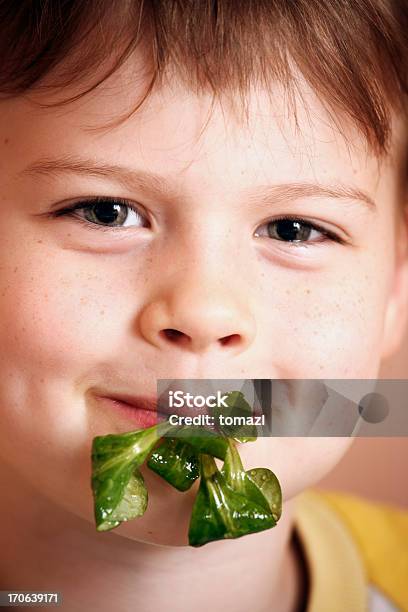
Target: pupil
[291,230]
[106,212]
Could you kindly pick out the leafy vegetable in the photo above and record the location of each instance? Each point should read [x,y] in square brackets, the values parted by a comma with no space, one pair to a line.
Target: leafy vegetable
[204,441]
[118,487]
[177,462]
[270,487]
[132,502]
[221,512]
[238,479]
[230,502]
[177,459]
[243,481]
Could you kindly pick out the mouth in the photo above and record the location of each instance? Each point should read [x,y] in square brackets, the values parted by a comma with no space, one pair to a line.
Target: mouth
[142,411]
[145,411]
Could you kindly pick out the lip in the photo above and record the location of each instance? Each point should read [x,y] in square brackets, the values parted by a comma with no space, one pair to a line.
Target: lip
[140,402]
[140,410]
[155,404]
[144,410]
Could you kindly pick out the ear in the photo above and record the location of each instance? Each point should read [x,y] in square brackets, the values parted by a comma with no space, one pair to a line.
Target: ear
[396,317]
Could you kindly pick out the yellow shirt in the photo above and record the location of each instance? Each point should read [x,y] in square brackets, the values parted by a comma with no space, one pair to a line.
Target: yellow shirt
[356,552]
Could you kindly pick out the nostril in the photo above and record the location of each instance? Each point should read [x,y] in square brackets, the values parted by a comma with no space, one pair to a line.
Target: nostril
[230,340]
[173,334]
[182,339]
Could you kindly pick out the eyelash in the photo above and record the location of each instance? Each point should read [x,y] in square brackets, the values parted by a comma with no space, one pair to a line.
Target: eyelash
[88,203]
[327,234]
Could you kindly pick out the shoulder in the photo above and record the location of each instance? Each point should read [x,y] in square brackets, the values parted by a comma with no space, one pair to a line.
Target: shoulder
[379,531]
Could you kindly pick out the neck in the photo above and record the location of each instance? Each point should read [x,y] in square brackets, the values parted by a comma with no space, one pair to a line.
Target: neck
[45,548]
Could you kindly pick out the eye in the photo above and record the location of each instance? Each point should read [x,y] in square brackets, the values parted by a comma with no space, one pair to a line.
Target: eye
[295,230]
[105,212]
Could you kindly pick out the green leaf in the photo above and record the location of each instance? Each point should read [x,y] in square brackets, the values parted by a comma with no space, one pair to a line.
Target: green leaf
[230,503]
[239,480]
[204,441]
[270,487]
[132,505]
[176,461]
[220,512]
[118,489]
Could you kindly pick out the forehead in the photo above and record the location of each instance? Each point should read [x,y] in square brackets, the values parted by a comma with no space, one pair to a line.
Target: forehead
[194,138]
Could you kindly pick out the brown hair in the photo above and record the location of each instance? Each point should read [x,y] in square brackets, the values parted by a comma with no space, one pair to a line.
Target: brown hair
[353,53]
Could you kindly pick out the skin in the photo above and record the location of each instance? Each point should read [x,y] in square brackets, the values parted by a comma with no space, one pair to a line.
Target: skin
[83,311]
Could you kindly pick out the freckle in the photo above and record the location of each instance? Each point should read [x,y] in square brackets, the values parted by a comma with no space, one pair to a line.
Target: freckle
[6,141]
[39,241]
[102,312]
[15,269]
[307,291]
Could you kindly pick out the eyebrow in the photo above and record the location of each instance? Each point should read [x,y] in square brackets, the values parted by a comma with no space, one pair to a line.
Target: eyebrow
[159,185]
[129,178]
[295,191]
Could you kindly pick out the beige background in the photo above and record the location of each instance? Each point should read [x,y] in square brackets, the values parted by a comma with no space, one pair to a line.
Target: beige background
[376,468]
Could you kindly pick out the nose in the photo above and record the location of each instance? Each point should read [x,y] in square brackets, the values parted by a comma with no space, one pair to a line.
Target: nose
[196,318]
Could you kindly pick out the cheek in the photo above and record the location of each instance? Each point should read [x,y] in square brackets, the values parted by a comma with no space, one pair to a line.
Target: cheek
[55,315]
[298,463]
[326,325]
[51,335]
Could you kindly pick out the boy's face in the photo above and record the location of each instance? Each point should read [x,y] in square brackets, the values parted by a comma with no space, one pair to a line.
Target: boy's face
[84,309]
